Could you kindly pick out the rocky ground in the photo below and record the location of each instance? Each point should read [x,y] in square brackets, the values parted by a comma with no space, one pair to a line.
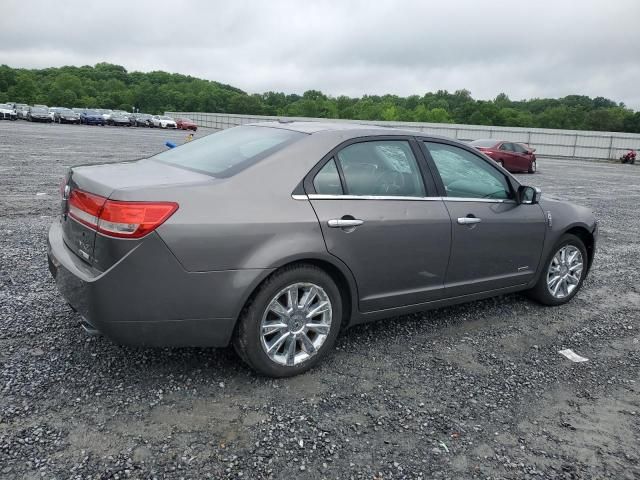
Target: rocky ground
[474,391]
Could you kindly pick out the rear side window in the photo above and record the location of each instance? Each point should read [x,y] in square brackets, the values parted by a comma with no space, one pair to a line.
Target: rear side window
[226,153]
[519,148]
[381,168]
[327,180]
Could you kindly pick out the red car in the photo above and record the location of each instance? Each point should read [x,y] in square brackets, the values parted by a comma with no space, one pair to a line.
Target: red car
[186,124]
[515,157]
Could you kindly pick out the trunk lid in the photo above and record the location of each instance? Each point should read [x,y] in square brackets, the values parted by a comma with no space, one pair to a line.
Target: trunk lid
[107,181]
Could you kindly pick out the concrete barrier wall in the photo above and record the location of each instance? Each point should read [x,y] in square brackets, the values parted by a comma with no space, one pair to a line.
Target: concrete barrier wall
[547,142]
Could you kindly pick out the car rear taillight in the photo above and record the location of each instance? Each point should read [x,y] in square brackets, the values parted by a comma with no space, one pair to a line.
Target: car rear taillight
[85,207]
[119,219]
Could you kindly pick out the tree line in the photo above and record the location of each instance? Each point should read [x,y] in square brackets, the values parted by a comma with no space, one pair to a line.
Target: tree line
[111,86]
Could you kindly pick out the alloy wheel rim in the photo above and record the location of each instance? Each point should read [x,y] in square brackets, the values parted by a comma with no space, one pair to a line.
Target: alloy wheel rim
[296,323]
[565,271]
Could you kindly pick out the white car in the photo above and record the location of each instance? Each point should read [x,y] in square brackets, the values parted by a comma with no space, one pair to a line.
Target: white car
[52,112]
[163,121]
[106,113]
[7,112]
[23,112]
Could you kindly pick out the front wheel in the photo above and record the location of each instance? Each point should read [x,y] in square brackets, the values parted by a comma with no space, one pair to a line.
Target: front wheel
[563,274]
[291,323]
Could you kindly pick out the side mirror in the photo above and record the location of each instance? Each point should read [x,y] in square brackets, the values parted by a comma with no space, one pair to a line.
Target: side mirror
[529,195]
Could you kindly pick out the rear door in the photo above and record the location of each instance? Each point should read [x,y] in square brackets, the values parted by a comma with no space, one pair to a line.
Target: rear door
[380,218]
[496,242]
[507,155]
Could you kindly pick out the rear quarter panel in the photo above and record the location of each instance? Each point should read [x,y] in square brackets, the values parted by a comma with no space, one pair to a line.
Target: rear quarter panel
[249,220]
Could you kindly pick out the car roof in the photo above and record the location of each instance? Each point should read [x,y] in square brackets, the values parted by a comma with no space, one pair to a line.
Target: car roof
[355,129]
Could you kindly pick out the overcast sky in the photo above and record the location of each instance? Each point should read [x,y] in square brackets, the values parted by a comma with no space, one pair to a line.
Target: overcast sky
[533,48]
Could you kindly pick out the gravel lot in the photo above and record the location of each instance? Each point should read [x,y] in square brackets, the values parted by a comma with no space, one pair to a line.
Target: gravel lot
[474,391]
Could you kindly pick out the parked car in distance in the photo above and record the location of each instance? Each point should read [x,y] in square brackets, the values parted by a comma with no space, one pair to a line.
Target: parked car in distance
[276,236]
[118,118]
[23,112]
[66,115]
[163,121]
[142,120]
[515,157]
[39,114]
[92,117]
[7,112]
[52,112]
[186,124]
[106,114]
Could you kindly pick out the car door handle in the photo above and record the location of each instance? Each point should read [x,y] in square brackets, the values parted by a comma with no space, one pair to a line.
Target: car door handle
[344,223]
[468,220]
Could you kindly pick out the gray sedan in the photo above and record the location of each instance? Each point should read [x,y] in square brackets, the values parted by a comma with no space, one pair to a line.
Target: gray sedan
[276,236]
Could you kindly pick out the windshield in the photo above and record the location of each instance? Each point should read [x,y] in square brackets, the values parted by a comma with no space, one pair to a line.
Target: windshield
[91,112]
[165,118]
[5,105]
[484,143]
[39,110]
[186,120]
[225,153]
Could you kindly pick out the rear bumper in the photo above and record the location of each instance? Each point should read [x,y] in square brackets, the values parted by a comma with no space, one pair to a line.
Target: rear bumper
[147,298]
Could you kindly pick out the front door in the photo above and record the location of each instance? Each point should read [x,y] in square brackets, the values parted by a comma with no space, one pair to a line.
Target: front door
[377,217]
[496,242]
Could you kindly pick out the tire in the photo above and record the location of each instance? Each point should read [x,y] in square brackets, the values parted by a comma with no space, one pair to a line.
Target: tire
[541,291]
[251,345]
[533,167]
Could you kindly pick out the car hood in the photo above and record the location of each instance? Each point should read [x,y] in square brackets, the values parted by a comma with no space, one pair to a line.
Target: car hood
[568,214]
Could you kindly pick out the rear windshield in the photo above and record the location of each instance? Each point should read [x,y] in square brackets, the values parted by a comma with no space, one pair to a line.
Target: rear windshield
[225,153]
[483,143]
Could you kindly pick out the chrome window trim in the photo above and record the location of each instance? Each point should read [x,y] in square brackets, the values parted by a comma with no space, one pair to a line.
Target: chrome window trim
[481,200]
[317,196]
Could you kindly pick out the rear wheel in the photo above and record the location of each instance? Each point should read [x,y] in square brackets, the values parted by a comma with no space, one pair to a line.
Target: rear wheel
[563,274]
[501,163]
[291,323]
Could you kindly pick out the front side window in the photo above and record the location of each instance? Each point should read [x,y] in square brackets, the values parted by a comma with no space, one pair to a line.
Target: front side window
[227,152]
[507,147]
[467,175]
[381,168]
